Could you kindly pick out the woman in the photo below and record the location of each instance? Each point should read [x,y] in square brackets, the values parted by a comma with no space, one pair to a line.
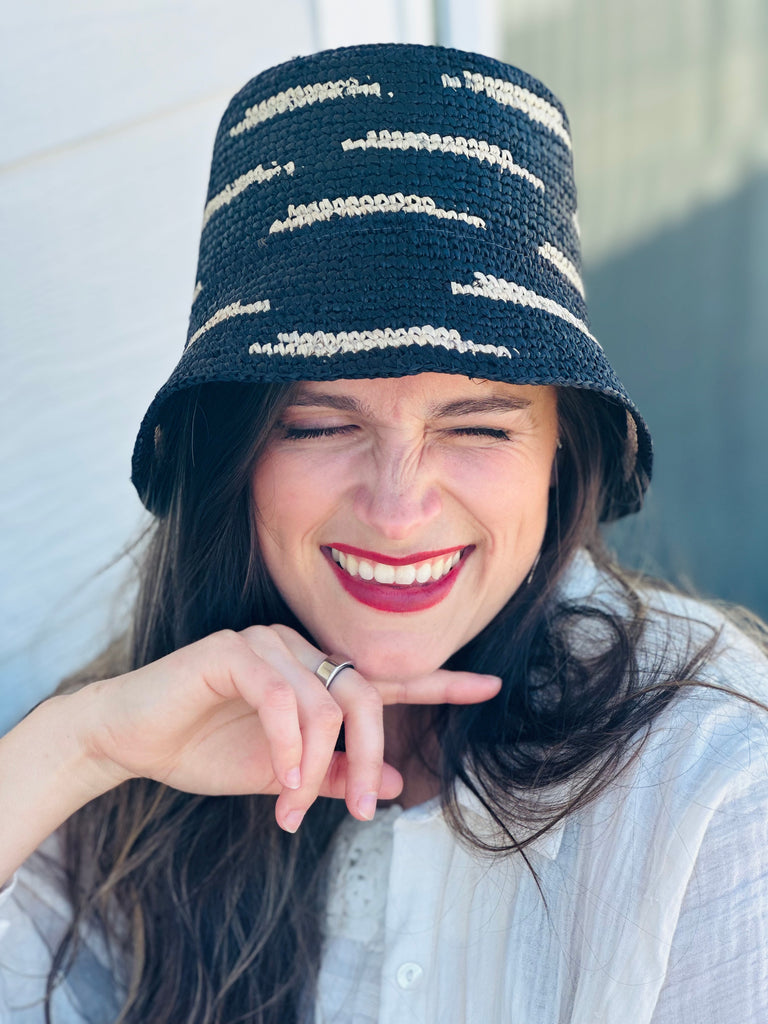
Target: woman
[378,473]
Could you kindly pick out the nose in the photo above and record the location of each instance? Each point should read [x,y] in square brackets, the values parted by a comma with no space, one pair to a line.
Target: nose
[399,494]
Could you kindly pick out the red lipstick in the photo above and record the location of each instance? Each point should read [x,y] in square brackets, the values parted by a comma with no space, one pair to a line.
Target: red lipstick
[391,597]
[374,556]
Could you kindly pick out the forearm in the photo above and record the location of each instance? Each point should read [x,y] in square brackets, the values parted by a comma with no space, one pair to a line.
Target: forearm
[46,773]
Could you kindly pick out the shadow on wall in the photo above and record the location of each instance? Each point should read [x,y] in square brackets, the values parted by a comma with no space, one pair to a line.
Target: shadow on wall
[684,317]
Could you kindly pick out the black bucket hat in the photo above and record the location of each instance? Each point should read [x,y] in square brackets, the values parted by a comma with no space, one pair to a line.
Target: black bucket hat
[386,210]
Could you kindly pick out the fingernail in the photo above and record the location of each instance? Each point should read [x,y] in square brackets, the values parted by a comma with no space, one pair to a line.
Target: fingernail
[366,805]
[293,778]
[292,820]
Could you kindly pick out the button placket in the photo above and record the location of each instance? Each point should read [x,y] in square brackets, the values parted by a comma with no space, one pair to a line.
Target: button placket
[418,852]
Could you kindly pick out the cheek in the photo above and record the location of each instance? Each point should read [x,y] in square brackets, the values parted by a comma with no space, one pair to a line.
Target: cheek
[291,498]
[274,502]
[281,486]
[504,490]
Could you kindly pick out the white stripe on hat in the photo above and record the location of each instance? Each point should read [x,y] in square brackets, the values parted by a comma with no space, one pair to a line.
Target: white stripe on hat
[322,343]
[234,309]
[478,149]
[359,206]
[234,188]
[563,264]
[302,96]
[490,287]
[511,95]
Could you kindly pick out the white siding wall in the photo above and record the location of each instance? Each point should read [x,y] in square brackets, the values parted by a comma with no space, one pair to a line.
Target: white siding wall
[108,117]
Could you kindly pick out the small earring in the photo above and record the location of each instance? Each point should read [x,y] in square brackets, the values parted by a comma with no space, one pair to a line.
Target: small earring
[533,567]
[559,445]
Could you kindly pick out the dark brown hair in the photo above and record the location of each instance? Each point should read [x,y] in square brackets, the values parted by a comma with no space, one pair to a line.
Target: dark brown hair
[213,910]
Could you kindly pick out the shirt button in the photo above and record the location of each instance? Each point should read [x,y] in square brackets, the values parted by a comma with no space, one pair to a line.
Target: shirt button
[409,975]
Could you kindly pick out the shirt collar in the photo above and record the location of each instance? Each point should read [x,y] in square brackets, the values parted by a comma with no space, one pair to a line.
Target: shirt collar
[547,845]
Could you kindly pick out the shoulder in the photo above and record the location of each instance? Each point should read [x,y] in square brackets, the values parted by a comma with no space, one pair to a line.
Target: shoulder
[675,627]
[727,679]
[714,732]
[703,758]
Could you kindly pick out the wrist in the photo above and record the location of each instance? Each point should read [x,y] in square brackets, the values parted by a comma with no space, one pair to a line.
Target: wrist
[75,725]
[46,774]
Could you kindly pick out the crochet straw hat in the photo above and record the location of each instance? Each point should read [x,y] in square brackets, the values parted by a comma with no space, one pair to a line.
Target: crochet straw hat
[385,210]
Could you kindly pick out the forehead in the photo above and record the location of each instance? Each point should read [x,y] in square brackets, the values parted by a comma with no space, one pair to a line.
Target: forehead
[429,392]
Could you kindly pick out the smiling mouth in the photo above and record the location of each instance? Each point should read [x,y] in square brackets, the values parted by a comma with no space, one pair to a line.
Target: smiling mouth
[410,584]
[405,574]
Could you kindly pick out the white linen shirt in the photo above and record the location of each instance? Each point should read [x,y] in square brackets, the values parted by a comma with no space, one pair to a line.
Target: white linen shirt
[656,901]
[652,907]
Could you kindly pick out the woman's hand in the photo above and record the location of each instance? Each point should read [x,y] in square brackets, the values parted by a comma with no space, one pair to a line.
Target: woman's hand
[234,713]
[244,713]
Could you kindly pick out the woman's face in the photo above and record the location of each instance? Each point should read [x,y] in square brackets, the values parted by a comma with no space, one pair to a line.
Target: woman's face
[397,517]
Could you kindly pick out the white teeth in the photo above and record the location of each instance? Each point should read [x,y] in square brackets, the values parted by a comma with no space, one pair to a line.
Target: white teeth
[437,569]
[424,573]
[403,575]
[384,573]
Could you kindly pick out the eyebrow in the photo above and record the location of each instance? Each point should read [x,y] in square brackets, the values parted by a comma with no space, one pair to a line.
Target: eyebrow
[488,403]
[320,398]
[457,407]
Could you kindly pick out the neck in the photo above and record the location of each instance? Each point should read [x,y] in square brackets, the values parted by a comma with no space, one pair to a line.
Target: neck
[411,748]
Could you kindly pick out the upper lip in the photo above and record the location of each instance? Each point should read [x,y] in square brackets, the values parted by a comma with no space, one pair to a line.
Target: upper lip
[375,556]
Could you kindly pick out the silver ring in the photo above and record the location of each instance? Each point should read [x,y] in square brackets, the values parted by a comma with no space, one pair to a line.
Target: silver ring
[328,669]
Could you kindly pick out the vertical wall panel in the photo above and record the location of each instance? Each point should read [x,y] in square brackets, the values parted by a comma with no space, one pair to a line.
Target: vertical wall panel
[107,124]
[668,101]
[77,69]
[96,288]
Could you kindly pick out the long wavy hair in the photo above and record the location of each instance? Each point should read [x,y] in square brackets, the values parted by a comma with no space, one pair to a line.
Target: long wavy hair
[212,911]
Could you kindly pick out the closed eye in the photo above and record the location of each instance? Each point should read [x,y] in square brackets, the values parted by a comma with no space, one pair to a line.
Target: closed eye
[501,435]
[302,433]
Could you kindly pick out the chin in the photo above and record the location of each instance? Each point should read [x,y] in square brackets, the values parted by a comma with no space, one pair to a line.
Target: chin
[392,651]
[396,662]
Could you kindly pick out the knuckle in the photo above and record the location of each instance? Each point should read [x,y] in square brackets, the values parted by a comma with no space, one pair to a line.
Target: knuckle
[400,693]
[224,643]
[328,715]
[279,694]
[284,633]
[262,637]
[369,699]
[251,633]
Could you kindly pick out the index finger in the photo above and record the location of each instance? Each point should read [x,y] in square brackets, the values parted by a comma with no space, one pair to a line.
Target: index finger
[440,687]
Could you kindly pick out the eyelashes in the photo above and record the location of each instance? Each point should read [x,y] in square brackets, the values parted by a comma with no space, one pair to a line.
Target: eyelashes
[305,433]
[493,432]
[301,433]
